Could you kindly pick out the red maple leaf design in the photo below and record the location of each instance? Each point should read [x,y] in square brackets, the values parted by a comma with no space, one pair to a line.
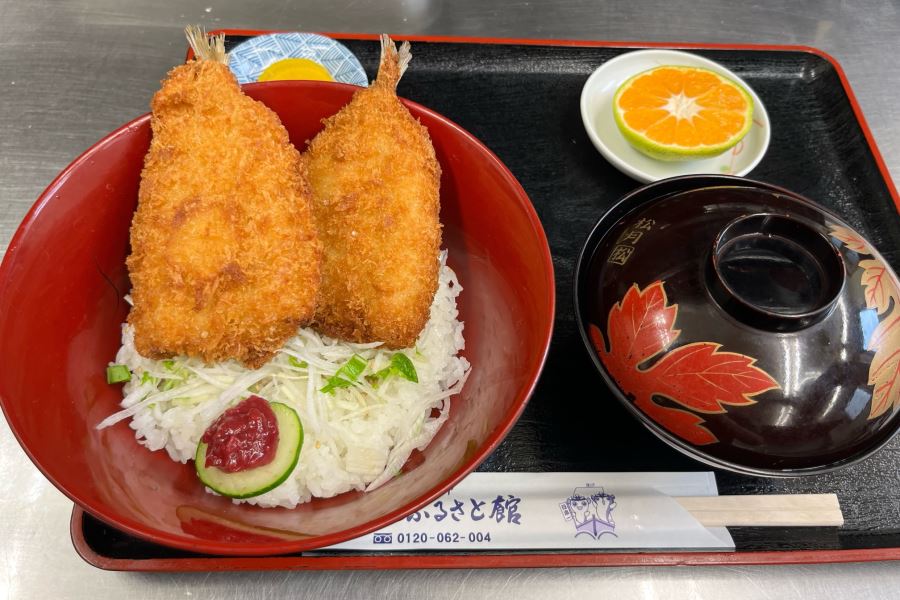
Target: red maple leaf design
[682,423]
[697,376]
[704,379]
[641,325]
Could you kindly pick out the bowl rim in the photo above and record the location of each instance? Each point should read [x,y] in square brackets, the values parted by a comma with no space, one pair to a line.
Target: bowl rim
[631,202]
[194,544]
[622,163]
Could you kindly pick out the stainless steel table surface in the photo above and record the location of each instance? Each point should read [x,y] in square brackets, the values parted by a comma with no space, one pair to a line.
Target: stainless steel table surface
[72,70]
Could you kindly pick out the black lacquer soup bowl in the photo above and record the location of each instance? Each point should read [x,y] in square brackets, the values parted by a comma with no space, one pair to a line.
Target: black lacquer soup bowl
[743,324]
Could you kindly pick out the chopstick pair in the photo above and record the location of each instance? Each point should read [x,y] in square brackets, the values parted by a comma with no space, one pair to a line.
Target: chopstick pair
[776,510]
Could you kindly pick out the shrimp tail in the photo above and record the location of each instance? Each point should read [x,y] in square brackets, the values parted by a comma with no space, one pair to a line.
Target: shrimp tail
[205,47]
[393,62]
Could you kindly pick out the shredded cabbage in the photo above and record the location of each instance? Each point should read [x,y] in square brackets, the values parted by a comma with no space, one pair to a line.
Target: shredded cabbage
[355,437]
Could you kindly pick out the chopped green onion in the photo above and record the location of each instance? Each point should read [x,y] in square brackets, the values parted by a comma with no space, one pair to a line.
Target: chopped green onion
[179,375]
[354,367]
[401,365]
[346,375]
[147,377]
[117,374]
[300,364]
[334,383]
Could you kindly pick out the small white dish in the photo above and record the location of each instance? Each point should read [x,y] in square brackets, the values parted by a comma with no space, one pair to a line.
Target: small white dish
[597,116]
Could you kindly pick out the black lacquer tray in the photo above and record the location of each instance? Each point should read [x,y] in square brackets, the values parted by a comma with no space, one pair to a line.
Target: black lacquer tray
[521,99]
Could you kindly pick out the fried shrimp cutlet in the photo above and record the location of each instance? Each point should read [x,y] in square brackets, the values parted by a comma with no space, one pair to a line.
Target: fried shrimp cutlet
[375,184]
[225,261]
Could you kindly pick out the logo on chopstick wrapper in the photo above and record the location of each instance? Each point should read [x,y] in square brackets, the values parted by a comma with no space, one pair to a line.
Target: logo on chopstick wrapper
[590,510]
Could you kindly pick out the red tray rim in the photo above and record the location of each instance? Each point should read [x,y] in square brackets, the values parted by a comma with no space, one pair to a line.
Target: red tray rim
[490,560]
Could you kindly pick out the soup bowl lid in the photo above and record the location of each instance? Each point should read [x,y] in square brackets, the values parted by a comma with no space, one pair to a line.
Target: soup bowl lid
[743,324]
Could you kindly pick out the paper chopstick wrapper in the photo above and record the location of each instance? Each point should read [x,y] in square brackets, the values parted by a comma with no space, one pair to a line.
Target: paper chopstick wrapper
[558,511]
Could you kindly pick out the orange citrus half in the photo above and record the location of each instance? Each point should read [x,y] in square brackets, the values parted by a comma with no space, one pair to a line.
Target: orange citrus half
[682,113]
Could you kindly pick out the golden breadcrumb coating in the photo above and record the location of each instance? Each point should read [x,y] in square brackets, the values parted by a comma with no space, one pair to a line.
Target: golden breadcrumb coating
[225,261]
[375,184]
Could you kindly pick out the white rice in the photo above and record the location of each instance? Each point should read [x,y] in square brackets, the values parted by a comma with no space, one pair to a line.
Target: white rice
[354,439]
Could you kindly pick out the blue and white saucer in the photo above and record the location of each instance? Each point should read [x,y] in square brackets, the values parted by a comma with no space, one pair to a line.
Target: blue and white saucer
[249,59]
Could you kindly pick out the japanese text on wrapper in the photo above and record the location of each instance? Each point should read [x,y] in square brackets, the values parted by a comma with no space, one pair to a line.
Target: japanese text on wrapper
[502,509]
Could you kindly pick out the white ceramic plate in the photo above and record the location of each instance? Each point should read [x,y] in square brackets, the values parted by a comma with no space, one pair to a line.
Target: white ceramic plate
[597,116]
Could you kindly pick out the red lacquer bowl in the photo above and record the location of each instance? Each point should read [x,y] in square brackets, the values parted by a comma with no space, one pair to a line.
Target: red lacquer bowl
[61,305]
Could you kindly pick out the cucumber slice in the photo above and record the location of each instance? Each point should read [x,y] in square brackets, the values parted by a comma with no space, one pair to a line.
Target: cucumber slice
[259,480]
